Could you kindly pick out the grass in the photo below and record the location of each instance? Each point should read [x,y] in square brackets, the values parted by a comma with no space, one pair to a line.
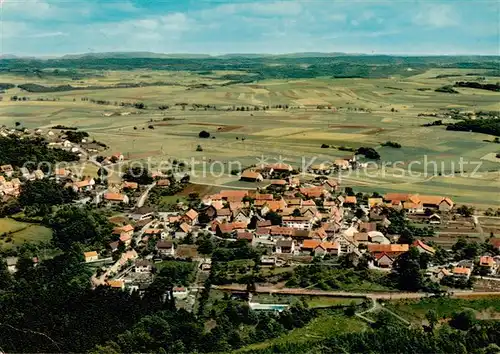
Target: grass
[21,232]
[328,324]
[415,310]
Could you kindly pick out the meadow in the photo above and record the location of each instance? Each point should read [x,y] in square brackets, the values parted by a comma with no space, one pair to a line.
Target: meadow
[363,112]
[14,233]
[415,310]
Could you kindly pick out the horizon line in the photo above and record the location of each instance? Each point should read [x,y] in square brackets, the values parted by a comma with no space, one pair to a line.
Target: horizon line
[215,55]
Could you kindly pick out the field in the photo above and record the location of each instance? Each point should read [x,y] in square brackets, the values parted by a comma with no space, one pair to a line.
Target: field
[20,232]
[365,112]
[415,310]
[328,324]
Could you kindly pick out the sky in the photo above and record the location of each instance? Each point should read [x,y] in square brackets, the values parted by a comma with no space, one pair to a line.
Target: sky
[58,27]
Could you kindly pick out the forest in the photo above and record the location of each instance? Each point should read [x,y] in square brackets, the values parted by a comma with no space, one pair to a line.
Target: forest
[260,67]
[486,126]
[31,151]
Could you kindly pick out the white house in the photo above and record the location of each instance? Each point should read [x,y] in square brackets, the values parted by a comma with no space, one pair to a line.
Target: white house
[91,256]
[143,266]
[165,247]
[298,222]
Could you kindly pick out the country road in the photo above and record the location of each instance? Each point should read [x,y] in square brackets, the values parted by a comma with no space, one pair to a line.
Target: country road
[142,199]
[367,295]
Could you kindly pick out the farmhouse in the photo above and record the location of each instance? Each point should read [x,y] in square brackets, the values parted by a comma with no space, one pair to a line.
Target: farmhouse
[142,213]
[392,250]
[165,247]
[130,185]
[191,217]
[461,272]
[383,260]
[85,185]
[488,263]
[116,198]
[251,176]
[163,183]
[143,266]
[285,246]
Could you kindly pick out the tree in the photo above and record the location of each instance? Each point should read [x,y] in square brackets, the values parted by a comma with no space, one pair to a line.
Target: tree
[406,237]
[274,217]
[45,192]
[432,318]
[199,148]
[18,124]
[139,175]
[466,211]
[204,134]
[5,276]
[296,212]
[407,269]
[463,320]
[73,224]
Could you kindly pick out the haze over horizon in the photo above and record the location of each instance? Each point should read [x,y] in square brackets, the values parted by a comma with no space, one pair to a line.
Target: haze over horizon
[56,27]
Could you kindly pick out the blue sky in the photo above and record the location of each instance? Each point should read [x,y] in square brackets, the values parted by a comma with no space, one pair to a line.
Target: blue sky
[55,27]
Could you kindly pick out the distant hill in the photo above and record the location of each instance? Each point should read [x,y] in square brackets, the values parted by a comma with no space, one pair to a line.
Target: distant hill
[135,55]
[150,55]
[263,56]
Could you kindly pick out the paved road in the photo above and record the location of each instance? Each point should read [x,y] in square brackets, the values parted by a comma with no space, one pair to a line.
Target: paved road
[142,199]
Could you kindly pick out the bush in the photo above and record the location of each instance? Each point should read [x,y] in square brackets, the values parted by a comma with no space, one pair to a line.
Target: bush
[463,320]
[392,144]
[204,134]
[325,146]
[446,89]
[369,153]
[199,148]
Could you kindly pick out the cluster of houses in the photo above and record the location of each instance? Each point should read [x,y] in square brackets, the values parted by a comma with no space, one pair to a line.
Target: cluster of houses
[268,171]
[290,218]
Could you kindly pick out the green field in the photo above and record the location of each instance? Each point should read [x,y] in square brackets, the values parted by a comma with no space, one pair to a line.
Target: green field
[367,112]
[328,324]
[20,232]
[415,310]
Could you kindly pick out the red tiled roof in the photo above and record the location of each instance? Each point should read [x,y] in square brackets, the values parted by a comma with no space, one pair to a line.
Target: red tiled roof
[251,174]
[350,199]
[191,214]
[228,193]
[130,185]
[245,236]
[114,196]
[163,183]
[422,245]
[461,270]
[397,196]
[391,248]
[279,230]
[486,261]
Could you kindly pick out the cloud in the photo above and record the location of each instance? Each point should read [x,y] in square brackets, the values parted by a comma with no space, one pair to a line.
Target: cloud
[43,10]
[267,8]
[337,17]
[437,15]
[47,34]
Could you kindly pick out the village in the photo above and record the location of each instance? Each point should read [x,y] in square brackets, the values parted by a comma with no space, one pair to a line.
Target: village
[294,220]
